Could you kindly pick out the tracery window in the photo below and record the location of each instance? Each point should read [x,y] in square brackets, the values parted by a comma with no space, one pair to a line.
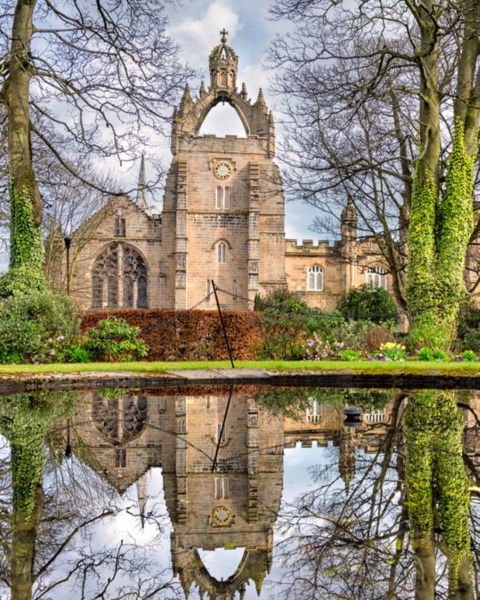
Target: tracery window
[119,278]
[315,279]
[377,277]
[120,419]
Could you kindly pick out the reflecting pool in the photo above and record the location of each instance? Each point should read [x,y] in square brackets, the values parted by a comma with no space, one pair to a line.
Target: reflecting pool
[240,492]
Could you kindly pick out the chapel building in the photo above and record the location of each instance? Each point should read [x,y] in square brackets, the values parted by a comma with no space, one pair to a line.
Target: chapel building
[223,219]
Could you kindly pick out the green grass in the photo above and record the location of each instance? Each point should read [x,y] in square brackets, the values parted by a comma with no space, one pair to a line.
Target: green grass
[359,367]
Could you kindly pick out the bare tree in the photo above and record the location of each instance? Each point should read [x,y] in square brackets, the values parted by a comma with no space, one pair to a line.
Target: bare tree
[368,77]
[102,76]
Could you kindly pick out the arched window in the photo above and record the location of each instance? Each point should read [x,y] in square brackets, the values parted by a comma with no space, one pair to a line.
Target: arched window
[119,278]
[121,419]
[378,277]
[315,279]
[222,253]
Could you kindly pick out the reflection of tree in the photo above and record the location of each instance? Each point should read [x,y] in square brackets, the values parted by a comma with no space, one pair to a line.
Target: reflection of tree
[437,489]
[353,545]
[47,539]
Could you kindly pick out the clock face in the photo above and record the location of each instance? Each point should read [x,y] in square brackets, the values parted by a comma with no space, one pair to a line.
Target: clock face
[221,516]
[222,170]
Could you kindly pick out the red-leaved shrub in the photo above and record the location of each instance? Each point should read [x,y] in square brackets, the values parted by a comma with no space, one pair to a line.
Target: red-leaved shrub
[189,335]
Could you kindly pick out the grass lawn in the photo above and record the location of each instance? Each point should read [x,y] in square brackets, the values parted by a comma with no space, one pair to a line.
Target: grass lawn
[359,367]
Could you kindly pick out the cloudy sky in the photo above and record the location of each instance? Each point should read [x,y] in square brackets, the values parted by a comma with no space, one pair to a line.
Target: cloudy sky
[196,26]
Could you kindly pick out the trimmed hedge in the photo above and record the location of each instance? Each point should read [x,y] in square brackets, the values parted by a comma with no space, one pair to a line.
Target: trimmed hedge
[190,334]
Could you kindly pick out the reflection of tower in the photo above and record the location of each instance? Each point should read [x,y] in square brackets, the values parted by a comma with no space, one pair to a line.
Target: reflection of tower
[234,506]
[347,463]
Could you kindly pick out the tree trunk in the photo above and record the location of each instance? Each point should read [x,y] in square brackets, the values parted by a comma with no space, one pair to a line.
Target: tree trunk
[26,250]
[441,221]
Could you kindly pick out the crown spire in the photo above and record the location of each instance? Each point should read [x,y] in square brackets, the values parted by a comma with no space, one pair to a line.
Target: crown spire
[224,34]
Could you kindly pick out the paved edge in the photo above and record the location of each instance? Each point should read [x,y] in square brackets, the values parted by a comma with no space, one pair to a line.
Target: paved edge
[28,382]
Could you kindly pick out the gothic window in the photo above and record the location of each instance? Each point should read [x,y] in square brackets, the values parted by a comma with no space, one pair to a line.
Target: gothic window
[120,419]
[120,227]
[108,279]
[315,279]
[377,277]
[134,277]
[222,253]
[222,197]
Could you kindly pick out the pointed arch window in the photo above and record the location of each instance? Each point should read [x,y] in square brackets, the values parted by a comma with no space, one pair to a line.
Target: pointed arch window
[222,253]
[315,279]
[119,278]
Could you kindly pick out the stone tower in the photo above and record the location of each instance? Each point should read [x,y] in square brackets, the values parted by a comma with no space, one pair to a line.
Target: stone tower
[223,216]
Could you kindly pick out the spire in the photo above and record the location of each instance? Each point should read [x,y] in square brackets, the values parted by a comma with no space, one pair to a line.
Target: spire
[244,91]
[202,90]
[349,221]
[142,484]
[261,98]
[186,97]
[141,187]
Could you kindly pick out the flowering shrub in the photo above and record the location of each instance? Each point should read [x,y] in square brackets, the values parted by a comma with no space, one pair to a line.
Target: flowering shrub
[318,348]
[393,351]
[36,327]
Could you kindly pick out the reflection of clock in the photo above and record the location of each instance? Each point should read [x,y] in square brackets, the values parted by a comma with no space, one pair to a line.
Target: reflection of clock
[221,516]
[222,170]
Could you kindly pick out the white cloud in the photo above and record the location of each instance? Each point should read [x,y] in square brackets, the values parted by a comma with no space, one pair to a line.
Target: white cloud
[195,35]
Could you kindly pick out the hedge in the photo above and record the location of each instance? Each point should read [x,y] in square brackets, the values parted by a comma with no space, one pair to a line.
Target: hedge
[190,334]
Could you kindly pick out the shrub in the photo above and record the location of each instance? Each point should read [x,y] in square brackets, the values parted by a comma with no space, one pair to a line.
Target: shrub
[349,355]
[316,348]
[280,299]
[75,354]
[440,355]
[115,340]
[370,303]
[469,355]
[393,351]
[425,354]
[35,327]
[376,335]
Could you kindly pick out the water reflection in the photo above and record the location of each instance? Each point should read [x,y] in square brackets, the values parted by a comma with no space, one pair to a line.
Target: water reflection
[184,496]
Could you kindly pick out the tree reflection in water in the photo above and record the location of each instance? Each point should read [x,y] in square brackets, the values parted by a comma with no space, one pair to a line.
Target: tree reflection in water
[392,524]
[413,493]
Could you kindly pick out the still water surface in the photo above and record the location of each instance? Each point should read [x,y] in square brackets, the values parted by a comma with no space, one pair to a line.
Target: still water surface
[244,492]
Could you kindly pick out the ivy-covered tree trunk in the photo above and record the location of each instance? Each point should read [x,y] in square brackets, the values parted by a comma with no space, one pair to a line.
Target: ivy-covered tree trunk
[26,249]
[441,216]
[437,491]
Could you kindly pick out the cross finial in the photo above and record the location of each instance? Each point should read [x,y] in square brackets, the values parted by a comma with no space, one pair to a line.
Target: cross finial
[224,34]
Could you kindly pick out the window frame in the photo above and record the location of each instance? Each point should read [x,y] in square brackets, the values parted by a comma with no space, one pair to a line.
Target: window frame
[318,278]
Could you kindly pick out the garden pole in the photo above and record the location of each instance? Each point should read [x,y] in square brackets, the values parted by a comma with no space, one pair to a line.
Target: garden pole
[223,324]
[220,435]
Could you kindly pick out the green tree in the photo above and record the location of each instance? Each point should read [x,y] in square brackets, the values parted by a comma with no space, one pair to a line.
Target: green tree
[394,87]
[368,302]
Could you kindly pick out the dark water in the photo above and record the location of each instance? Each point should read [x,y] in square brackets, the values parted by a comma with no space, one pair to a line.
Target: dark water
[224,493]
